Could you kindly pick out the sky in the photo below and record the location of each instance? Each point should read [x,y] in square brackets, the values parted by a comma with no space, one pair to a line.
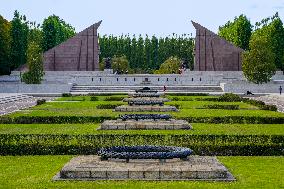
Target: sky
[152,17]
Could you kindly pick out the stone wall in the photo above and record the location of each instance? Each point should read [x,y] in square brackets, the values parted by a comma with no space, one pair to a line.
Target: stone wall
[79,53]
[213,53]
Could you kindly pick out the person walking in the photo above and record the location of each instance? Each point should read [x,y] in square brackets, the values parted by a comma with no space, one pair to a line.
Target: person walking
[280,90]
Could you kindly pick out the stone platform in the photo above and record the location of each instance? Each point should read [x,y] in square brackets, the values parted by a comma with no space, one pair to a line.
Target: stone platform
[171,124]
[195,168]
[146,108]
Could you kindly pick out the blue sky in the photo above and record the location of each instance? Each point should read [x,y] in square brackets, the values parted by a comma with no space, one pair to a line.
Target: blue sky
[159,17]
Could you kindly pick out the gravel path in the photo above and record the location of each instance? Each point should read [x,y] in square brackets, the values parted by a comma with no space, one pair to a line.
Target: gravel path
[272,100]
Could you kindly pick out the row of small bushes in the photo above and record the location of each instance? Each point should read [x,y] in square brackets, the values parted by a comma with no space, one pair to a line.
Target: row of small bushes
[99,119]
[53,119]
[222,106]
[40,102]
[107,106]
[261,105]
[188,94]
[241,145]
[114,98]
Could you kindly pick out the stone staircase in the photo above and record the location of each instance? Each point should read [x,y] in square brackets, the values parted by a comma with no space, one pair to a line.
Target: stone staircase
[84,89]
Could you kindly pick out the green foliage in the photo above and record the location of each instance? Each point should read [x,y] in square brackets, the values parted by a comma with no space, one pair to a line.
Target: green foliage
[5,46]
[147,54]
[187,94]
[19,44]
[273,31]
[35,64]
[258,63]
[40,102]
[120,65]
[114,98]
[245,145]
[94,98]
[107,106]
[170,66]
[238,32]
[66,94]
[221,106]
[260,104]
[230,97]
[55,31]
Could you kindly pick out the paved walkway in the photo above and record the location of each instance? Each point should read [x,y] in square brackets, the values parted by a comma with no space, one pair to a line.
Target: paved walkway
[18,105]
[273,99]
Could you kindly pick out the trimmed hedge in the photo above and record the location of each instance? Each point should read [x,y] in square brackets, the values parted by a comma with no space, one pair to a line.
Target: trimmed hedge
[241,145]
[221,106]
[40,102]
[53,119]
[260,104]
[114,98]
[94,98]
[187,94]
[92,119]
[66,95]
[108,106]
[236,119]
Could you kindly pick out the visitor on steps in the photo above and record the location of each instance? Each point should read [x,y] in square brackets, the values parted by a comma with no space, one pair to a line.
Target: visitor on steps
[280,90]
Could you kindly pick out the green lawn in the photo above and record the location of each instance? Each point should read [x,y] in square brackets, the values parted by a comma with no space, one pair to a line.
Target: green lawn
[88,108]
[37,172]
[198,128]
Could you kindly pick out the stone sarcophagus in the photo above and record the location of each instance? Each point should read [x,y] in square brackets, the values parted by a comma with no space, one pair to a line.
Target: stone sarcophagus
[79,53]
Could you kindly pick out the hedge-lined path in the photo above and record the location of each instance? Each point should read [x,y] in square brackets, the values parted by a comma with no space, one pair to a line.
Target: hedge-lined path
[16,105]
[277,100]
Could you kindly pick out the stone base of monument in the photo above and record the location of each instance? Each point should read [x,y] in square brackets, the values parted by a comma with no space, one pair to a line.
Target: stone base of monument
[146,108]
[194,168]
[171,124]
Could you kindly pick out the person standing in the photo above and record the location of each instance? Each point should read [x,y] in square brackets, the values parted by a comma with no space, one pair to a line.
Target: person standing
[280,90]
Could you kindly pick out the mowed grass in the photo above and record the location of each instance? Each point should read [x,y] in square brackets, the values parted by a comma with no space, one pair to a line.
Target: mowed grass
[38,171]
[188,109]
[198,129]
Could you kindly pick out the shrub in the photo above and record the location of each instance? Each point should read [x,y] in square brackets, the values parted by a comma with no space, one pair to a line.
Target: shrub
[108,106]
[40,101]
[178,98]
[188,94]
[221,106]
[53,119]
[66,94]
[63,144]
[94,98]
[114,98]
[230,97]
[260,104]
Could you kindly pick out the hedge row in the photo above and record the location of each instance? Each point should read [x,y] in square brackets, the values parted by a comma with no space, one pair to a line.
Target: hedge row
[187,94]
[114,98]
[92,119]
[260,104]
[222,106]
[243,145]
[236,119]
[107,106]
[53,119]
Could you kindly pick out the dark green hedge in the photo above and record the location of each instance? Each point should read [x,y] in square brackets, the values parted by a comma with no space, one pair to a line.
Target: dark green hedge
[187,94]
[243,145]
[52,119]
[107,106]
[222,106]
[114,98]
[92,119]
[236,119]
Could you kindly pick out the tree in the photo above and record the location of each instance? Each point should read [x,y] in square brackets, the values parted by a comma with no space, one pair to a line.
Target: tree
[120,65]
[258,63]
[237,32]
[55,31]
[19,35]
[35,64]
[170,66]
[272,29]
[5,46]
